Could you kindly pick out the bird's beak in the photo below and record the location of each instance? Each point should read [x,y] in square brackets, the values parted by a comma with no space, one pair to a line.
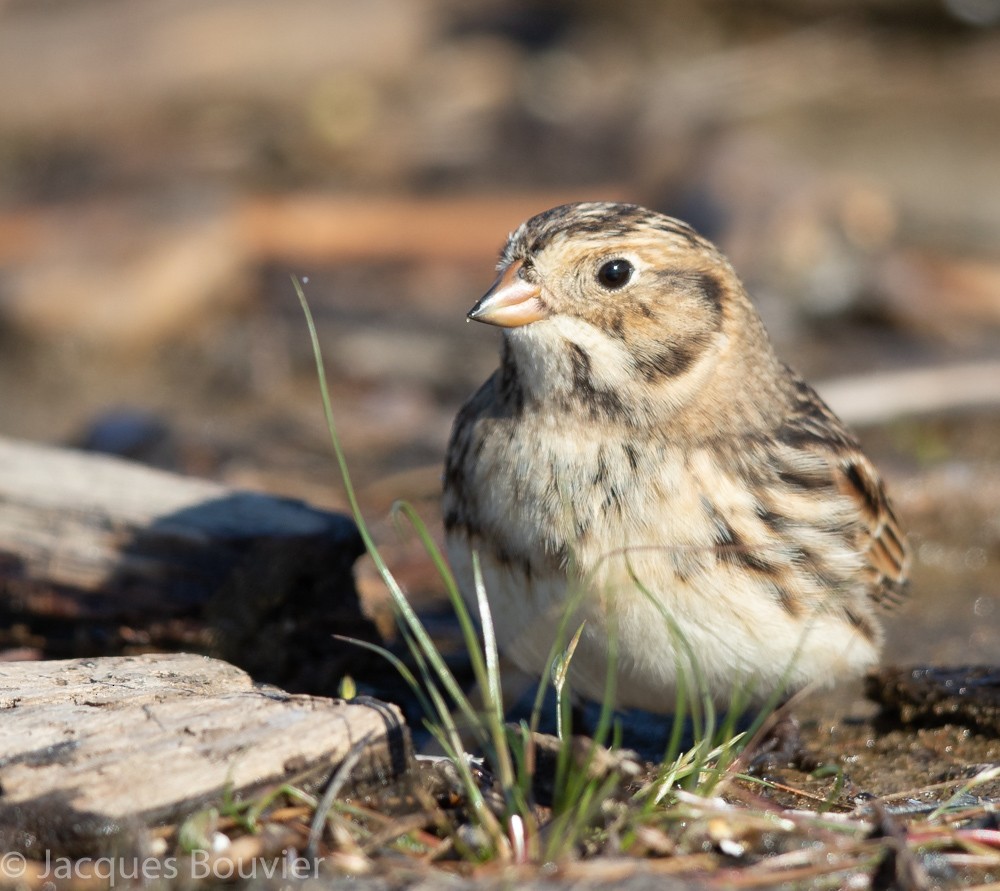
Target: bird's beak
[510,302]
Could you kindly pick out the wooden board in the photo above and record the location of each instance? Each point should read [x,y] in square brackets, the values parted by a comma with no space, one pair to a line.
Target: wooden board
[92,536]
[90,747]
[101,556]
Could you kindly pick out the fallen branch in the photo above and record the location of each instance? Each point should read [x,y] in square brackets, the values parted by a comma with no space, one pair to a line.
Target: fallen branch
[879,397]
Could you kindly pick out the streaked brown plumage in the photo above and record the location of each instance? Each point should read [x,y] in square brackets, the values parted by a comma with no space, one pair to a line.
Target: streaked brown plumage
[641,446]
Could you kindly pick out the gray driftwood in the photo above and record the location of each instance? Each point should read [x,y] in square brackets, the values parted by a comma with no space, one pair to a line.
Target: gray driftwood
[92,748]
[99,555]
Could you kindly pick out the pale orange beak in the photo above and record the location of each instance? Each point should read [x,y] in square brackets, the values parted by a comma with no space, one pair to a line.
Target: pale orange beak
[510,302]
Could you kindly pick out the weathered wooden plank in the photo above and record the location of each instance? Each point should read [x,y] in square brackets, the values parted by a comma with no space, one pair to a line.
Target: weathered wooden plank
[930,695]
[90,746]
[131,537]
[99,556]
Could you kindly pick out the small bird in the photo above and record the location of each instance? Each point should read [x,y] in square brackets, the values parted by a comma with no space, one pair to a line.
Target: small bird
[643,466]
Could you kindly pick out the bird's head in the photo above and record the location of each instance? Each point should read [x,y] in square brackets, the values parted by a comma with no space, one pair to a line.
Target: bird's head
[618,297]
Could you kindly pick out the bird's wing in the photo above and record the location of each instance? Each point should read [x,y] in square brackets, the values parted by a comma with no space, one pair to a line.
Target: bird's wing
[887,552]
[813,426]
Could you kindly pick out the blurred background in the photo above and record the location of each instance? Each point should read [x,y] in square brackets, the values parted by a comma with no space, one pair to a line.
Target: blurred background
[166,165]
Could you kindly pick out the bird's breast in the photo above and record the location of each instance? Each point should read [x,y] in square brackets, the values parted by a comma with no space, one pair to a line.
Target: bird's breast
[582,493]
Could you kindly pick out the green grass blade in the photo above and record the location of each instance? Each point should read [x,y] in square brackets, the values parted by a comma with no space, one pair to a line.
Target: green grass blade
[492,667]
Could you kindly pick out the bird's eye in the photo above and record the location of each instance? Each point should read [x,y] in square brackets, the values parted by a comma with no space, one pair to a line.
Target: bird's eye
[615,273]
